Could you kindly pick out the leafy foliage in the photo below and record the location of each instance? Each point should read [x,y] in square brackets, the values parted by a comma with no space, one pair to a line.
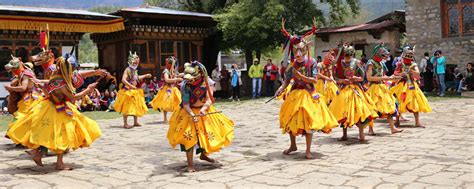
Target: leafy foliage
[87,50]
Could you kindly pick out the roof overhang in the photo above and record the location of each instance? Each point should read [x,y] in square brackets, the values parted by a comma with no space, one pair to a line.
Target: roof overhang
[61,20]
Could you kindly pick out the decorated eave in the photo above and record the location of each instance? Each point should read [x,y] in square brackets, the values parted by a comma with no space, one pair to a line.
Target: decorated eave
[57,20]
[160,23]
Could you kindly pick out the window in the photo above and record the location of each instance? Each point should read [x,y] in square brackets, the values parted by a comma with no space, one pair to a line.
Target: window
[458,18]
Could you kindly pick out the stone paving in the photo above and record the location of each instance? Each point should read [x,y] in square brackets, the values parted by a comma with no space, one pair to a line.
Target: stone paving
[440,156]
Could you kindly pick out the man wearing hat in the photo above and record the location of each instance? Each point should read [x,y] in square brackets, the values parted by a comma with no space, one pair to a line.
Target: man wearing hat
[256,74]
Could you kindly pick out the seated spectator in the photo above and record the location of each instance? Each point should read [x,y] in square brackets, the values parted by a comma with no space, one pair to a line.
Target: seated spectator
[87,104]
[104,100]
[449,79]
[111,101]
[467,82]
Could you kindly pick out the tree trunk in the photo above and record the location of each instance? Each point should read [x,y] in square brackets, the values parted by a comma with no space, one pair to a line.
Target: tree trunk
[248,57]
[258,55]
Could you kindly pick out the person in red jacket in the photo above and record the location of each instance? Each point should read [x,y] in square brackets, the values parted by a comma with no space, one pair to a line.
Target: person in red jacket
[270,72]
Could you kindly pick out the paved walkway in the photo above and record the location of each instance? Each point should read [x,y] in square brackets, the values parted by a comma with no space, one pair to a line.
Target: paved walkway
[440,156]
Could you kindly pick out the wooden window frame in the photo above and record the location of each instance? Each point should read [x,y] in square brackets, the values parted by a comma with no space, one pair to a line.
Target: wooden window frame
[445,20]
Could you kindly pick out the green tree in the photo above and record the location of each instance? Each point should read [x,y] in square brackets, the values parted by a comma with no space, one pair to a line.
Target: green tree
[254,25]
[87,50]
[105,9]
[171,4]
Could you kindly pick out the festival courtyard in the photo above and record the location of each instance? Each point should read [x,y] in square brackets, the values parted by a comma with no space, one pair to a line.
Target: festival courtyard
[439,156]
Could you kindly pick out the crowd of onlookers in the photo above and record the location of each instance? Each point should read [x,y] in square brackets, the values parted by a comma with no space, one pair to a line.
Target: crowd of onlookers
[437,76]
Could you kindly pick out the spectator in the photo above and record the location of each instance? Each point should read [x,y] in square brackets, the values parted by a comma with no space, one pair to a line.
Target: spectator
[457,80]
[467,82]
[235,82]
[104,100]
[426,71]
[439,64]
[225,82]
[449,79]
[256,74]
[146,89]
[111,101]
[271,71]
[154,86]
[86,103]
[388,64]
[216,77]
[318,59]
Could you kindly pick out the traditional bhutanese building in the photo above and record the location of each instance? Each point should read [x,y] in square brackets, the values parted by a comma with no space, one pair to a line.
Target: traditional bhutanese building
[156,33]
[20,28]
[446,25]
[386,29]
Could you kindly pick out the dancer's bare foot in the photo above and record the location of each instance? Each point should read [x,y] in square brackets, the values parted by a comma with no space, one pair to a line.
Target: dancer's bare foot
[205,158]
[137,124]
[344,138]
[126,126]
[63,167]
[396,131]
[421,126]
[38,160]
[289,150]
[309,155]
[191,170]
[165,121]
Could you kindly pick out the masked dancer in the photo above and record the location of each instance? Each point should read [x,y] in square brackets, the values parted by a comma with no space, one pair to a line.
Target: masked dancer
[168,97]
[197,123]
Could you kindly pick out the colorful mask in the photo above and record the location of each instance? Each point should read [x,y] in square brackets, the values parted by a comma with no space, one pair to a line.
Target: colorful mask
[349,50]
[133,60]
[193,72]
[380,53]
[329,57]
[14,64]
[407,54]
[43,57]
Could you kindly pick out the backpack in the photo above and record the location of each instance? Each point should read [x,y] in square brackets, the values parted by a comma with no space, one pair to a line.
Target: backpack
[429,65]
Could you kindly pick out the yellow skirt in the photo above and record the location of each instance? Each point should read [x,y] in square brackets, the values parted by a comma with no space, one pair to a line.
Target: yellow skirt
[351,107]
[410,100]
[329,92]
[55,130]
[211,133]
[167,99]
[131,102]
[300,113]
[383,99]
[26,103]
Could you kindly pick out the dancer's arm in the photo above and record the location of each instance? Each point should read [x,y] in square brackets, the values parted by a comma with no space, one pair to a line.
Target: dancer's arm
[22,88]
[171,81]
[141,77]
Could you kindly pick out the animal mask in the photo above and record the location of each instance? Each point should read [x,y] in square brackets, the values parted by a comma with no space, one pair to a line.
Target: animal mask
[14,64]
[43,57]
[133,60]
[407,54]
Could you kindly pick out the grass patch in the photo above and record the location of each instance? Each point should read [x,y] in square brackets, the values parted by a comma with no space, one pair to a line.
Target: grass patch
[4,121]
[432,97]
